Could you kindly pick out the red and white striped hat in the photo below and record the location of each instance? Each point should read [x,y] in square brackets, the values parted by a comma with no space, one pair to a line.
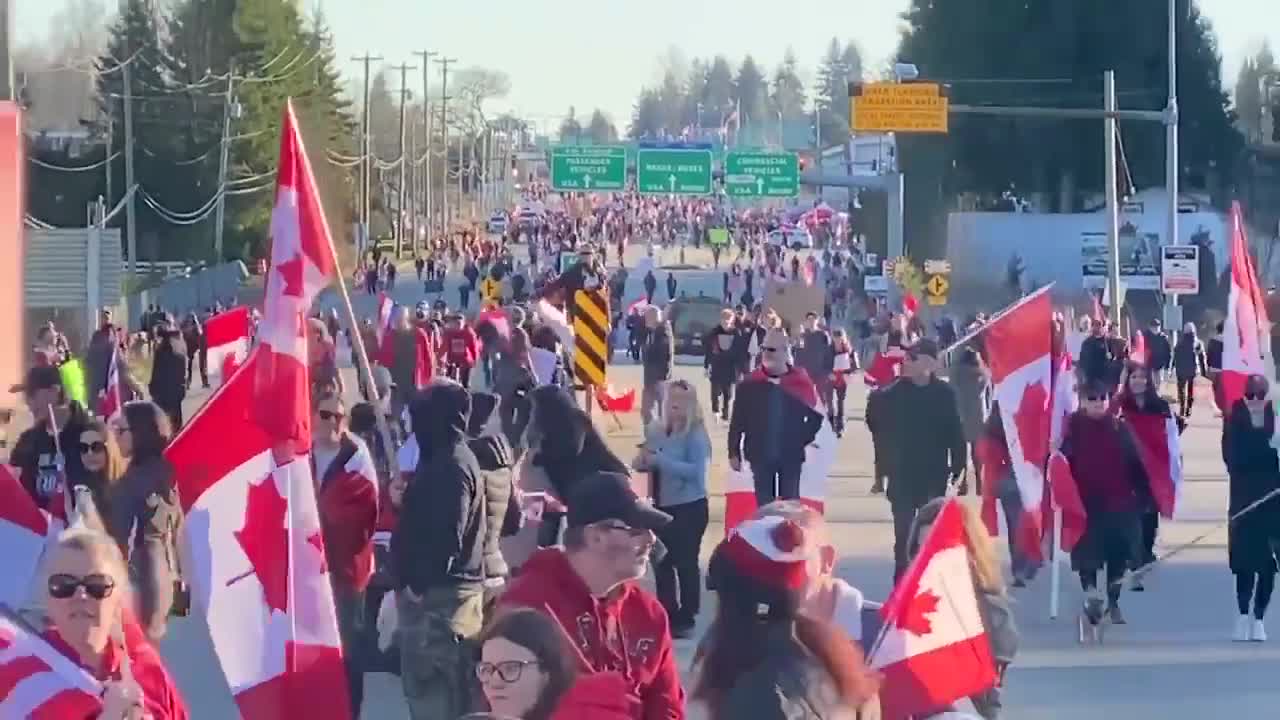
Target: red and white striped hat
[772,551]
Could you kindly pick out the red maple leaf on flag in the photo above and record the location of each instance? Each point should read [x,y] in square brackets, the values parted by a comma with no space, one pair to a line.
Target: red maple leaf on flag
[916,612]
[291,272]
[316,542]
[266,542]
[1032,420]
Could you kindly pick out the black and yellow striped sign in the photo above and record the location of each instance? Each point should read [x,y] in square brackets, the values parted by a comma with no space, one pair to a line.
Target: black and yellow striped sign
[590,336]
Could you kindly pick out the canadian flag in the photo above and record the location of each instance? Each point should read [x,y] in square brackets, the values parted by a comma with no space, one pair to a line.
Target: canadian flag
[385,306]
[1160,449]
[25,530]
[1019,344]
[934,648]
[612,400]
[244,478]
[227,339]
[1246,319]
[39,683]
[1062,484]
[884,369]
[819,455]
[112,397]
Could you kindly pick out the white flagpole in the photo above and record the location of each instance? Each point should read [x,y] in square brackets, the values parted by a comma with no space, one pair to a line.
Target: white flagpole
[1055,575]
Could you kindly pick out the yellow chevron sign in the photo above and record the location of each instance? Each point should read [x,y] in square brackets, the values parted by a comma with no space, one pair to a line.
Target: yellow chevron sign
[590,337]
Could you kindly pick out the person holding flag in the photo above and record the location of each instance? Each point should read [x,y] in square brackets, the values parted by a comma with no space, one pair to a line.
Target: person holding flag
[42,453]
[1114,488]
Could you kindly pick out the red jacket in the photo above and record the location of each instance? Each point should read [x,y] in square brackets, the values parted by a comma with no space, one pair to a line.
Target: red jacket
[426,364]
[348,504]
[461,346]
[630,619]
[160,696]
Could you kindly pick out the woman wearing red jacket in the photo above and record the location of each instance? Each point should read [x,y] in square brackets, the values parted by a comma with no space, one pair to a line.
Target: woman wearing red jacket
[87,596]
[461,349]
[347,499]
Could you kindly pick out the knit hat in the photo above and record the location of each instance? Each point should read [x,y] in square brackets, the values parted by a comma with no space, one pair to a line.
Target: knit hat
[772,551]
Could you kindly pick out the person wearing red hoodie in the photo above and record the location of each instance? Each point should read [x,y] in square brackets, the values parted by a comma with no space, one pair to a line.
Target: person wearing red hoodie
[461,349]
[407,352]
[589,586]
[348,503]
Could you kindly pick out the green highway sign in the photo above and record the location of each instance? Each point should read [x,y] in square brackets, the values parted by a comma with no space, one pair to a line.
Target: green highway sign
[586,168]
[673,172]
[760,174]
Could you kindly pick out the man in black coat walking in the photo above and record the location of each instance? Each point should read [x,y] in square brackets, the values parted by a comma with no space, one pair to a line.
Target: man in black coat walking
[924,446]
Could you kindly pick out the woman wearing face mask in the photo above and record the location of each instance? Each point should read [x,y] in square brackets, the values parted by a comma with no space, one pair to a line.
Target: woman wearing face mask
[101,464]
[1156,432]
[526,665]
[1253,538]
[87,604]
[676,453]
[1188,362]
[143,513]
[1114,490]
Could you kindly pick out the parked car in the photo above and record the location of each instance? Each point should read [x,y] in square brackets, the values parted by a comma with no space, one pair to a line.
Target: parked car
[793,238]
[691,319]
[498,223]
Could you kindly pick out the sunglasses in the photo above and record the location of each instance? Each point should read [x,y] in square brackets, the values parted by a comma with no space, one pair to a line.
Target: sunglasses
[330,415]
[97,446]
[96,586]
[771,349]
[508,670]
[633,532]
[1095,398]
[1256,395]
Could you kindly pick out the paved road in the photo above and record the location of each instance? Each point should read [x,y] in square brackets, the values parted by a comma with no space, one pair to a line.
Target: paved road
[1173,661]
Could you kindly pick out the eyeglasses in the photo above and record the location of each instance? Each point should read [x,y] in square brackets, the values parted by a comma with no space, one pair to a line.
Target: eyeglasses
[97,446]
[621,527]
[96,586]
[771,349]
[508,670]
[1095,398]
[329,415]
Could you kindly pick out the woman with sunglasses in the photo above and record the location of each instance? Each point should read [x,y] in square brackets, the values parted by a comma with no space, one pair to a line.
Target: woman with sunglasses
[526,665]
[1115,491]
[142,511]
[101,464]
[1252,539]
[87,602]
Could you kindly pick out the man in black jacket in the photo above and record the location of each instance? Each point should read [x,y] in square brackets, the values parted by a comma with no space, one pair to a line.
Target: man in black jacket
[437,553]
[658,354]
[1095,354]
[773,421]
[1159,351]
[924,444]
[817,356]
[723,362]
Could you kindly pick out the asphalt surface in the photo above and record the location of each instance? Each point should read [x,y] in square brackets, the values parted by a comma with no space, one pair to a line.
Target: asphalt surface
[1173,661]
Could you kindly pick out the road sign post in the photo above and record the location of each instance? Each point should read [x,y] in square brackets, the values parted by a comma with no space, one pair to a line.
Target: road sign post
[759,174]
[898,107]
[673,172]
[588,168]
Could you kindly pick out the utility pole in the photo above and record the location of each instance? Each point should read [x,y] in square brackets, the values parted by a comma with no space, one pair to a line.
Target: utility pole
[412,193]
[1171,145]
[460,150]
[223,161]
[1109,135]
[445,62]
[404,161]
[131,224]
[366,156]
[7,91]
[428,139]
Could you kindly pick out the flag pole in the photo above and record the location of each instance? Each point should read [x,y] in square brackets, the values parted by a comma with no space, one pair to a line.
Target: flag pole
[357,340]
[981,328]
[1055,568]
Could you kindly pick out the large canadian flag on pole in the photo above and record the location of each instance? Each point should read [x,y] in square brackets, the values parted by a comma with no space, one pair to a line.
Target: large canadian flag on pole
[257,554]
[934,648]
[1246,320]
[1019,349]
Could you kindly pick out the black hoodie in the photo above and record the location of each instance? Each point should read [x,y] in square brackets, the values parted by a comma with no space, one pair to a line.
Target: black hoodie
[495,456]
[570,447]
[441,535]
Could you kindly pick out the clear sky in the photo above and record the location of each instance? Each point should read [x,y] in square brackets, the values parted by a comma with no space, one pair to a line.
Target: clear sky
[598,53]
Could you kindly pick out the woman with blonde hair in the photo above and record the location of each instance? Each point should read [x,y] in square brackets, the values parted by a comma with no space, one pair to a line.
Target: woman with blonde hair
[676,453]
[988,582]
[86,596]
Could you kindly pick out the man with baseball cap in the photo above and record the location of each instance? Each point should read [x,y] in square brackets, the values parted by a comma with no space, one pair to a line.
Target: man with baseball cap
[42,459]
[924,441]
[589,586]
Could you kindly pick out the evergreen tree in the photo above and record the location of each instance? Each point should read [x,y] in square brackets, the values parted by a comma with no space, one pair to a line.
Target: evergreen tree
[600,129]
[788,89]
[718,102]
[695,94]
[750,91]
[646,116]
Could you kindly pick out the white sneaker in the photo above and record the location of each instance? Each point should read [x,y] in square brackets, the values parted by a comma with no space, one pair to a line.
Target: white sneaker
[1259,632]
[1244,629]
